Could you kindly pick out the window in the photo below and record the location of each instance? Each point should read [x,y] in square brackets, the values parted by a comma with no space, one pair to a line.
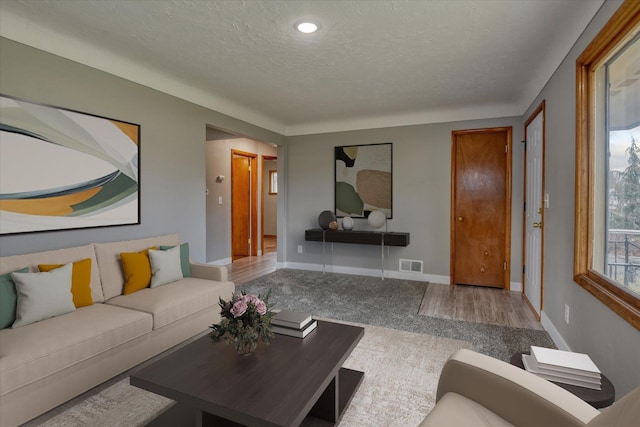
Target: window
[607,226]
[273,182]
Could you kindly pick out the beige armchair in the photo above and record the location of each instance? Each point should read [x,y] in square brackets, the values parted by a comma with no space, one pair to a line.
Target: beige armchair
[478,390]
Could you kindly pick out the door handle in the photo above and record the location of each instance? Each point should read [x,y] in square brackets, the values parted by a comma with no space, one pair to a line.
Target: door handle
[460,219]
[537,224]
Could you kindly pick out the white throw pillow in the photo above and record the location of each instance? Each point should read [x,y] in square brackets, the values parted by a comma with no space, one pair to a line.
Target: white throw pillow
[165,266]
[43,295]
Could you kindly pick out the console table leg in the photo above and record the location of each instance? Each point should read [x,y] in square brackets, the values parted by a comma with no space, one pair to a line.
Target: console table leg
[324,255]
[382,255]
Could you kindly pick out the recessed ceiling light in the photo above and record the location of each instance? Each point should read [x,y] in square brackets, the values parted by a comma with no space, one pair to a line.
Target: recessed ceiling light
[306,27]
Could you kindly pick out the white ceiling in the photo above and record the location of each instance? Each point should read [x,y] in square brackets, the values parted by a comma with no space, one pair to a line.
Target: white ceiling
[372,64]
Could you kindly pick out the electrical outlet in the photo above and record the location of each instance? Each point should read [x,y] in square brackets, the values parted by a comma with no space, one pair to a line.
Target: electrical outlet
[566,313]
[299,249]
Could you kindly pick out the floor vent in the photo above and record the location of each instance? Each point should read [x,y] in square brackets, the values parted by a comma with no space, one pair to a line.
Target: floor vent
[411,265]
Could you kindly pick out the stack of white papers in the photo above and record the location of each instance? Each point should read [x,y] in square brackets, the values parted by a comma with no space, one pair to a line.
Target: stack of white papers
[563,367]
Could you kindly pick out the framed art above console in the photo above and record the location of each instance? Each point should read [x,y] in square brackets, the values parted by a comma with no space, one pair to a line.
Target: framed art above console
[363,180]
[62,169]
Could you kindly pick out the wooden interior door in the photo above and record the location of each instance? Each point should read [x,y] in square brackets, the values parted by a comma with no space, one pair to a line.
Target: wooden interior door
[481,207]
[243,205]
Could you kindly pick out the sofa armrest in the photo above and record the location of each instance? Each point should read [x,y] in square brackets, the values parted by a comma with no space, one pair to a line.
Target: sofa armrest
[208,271]
[514,394]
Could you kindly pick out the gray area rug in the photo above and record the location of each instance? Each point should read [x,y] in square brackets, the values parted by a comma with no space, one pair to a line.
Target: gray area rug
[390,303]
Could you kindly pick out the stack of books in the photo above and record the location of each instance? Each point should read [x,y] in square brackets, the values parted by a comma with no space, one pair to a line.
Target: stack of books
[293,323]
[563,367]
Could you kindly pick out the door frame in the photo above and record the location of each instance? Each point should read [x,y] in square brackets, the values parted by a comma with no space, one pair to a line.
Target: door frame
[540,109]
[507,254]
[262,191]
[253,212]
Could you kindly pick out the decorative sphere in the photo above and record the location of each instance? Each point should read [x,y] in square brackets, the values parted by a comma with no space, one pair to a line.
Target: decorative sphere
[347,223]
[377,219]
[325,218]
[333,225]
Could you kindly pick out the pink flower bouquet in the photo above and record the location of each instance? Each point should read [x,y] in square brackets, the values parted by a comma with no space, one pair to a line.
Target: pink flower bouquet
[245,318]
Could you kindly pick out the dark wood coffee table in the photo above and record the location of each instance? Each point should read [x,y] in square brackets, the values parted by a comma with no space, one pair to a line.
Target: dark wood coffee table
[289,383]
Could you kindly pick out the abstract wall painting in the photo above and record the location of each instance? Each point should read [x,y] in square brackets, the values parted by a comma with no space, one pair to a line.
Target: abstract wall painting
[62,169]
[363,180]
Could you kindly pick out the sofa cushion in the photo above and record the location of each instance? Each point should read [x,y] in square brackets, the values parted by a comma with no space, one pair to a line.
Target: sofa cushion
[176,300]
[60,256]
[80,281]
[136,269]
[43,295]
[454,409]
[165,266]
[8,298]
[35,351]
[108,256]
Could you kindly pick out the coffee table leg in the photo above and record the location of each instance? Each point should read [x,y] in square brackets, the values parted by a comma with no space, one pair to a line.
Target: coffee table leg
[326,407]
[204,419]
[337,396]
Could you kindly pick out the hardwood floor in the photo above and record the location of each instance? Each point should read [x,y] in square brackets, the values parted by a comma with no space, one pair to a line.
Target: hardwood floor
[468,303]
[270,244]
[478,304]
[244,269]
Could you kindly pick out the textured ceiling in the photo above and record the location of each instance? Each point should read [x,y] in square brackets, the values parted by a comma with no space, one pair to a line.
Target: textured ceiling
[373,63]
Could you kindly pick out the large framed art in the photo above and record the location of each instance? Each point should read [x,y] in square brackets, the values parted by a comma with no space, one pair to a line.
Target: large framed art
[62,169]
[363,180]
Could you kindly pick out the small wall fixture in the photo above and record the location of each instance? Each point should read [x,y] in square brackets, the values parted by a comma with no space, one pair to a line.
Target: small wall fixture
[306,27]
[220,178]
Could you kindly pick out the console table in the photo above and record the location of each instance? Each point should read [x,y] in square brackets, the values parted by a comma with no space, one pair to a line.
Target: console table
[382,238]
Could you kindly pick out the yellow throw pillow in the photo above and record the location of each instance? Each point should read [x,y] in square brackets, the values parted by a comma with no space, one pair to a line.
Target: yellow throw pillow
[80,281]
[137,270]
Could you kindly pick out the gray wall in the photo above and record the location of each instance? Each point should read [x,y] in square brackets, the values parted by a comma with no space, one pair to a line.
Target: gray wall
[421,194]
[173,134]
[611,342]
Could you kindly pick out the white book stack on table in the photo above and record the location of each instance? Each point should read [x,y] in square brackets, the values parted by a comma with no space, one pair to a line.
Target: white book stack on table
[293,323]
[563,367]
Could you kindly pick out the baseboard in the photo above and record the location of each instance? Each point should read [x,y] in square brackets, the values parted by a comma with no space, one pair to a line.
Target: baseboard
[371,272]
[391,274]
[553,332]
[516,287]
[224,261]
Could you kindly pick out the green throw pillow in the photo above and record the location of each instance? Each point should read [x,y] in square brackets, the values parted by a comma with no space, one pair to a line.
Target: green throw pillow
[8,298]
[185,264]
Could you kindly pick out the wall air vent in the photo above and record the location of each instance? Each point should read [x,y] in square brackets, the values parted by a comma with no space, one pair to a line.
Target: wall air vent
[411,265]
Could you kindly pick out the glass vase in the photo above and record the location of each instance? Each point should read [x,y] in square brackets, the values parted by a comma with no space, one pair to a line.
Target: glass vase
[245,346]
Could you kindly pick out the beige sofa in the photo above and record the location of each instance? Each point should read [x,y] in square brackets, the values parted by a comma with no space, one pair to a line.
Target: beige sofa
[480,391]
[46,363]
